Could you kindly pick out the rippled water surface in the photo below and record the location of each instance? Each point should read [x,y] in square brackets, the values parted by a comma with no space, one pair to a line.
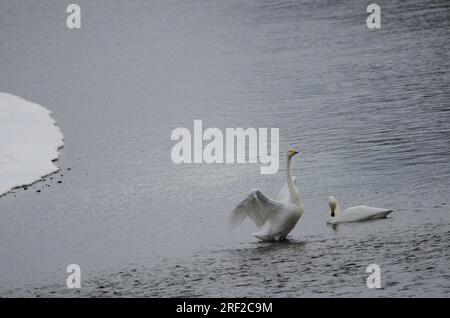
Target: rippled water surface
[369,110]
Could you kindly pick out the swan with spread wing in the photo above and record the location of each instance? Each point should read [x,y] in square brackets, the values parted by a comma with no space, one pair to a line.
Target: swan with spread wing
[274,218]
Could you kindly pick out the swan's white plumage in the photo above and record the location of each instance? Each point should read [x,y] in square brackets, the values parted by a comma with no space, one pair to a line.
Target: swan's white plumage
[29,142]
[355,213]
[275,218]
[284,192]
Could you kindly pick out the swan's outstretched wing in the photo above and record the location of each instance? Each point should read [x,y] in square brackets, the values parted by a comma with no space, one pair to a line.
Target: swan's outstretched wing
[284,192]
[257,207]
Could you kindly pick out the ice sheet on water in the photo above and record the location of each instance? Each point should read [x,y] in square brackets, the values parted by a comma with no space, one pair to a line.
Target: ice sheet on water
[29,142]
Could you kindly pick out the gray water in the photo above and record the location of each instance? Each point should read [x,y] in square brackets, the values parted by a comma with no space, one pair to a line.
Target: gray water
[368,109]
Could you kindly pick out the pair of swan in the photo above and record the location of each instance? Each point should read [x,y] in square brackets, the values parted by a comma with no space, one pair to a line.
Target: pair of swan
[276,218]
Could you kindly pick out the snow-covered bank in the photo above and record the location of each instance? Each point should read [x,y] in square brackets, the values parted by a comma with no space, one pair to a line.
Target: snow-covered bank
[29,142]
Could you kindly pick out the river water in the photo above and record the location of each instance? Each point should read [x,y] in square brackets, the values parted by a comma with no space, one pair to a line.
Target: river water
[369,111]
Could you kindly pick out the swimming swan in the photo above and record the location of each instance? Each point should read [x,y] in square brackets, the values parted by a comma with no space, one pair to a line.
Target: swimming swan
[275,218]
[353,214]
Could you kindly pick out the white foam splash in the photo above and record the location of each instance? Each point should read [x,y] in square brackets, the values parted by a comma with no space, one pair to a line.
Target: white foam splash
[29,142]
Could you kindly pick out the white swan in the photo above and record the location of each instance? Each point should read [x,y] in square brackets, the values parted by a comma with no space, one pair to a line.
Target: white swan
[353,214]
[275,218]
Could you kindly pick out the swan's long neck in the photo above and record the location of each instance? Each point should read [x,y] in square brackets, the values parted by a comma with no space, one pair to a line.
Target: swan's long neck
[293,193]
[338,208]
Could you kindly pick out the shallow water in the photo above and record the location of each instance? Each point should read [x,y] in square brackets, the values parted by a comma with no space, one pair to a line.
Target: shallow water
[369,111]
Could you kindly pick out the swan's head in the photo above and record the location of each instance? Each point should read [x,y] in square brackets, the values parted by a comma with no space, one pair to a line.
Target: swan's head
[332,202]
[292,152]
